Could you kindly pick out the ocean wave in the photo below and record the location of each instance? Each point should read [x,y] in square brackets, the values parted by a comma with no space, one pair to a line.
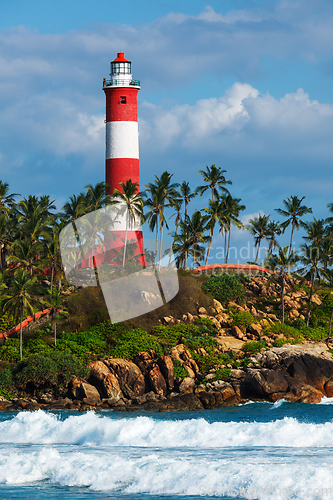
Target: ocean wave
[265,476]
[91,429]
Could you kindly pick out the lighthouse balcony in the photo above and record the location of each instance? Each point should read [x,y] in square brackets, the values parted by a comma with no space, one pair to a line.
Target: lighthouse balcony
[121,83]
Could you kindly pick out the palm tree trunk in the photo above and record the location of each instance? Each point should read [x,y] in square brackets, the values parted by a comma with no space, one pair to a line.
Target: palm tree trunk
[282,295]
[21,332]
[228,242]
[156,248]
[225,245]
[186,252]
[310,297]
[257,252]
[291,237]
[330,325]
[55,329]
[209,244]
[124,256]
[52,273]
[160,255]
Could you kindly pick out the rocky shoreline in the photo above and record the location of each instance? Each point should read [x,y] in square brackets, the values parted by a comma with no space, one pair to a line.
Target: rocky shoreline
[295,373]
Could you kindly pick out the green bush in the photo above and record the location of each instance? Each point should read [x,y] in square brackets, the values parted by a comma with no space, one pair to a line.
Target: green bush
[179,370]
[314,334]
[293,335]
[172,335]
[7,387]
[279,342]
[225,288]
[52,371]
[243,320]
[133,342]
[211,360]
[253,347]
[194,341]
[10,350]
[204,321]
[221,373]
[6,322]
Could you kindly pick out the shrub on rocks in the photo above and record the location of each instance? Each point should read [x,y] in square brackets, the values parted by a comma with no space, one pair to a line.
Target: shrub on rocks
[225,288]
[253,347]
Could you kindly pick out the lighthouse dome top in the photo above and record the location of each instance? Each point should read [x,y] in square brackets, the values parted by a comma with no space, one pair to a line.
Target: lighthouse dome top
[120,74]
[120,57]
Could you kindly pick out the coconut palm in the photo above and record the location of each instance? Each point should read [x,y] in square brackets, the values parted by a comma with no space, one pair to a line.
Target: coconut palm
[185,192]
[130,204]
[96,196]
[20,297]
[293,212]
[7,200]
[313,268]
[258,227]
[215,180]
[214,212]
[231,209]
[25,253]
[280,263]
[192,237]
[273,230]
[54,303]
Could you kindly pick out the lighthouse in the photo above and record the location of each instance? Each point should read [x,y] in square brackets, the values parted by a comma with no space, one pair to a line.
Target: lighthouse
[122,146]
[122,133]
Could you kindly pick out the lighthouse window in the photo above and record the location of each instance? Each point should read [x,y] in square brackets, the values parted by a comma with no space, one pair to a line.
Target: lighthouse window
[122,99]
[120,68]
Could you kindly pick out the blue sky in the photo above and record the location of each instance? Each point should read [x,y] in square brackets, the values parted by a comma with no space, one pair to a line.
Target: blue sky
[244,84]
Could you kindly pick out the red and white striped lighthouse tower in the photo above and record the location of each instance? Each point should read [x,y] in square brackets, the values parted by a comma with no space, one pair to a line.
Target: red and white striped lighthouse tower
[122,134]
[122,142]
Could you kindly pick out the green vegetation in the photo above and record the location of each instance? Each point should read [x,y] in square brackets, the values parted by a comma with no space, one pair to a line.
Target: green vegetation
[243,320]
[253,347]
[225,288]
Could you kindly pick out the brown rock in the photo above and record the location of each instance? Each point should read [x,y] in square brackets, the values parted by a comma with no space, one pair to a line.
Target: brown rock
[186,385]
[293,313]
[79,389]
[144,361]
[104,380]
[202,310]
[329,388]
[127,373]
[267,381]
[166,366]
[256,329]
[237,332]
[189,370]
[157,381]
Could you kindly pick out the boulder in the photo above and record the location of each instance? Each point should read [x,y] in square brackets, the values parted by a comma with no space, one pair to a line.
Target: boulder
[105,381]
[218,306]
[157,381]
[256,329]
[79,389]
[166,366]
[237,332]
[265,382]
[186,385]
[128,375]
[144,361]
[329,388]
[202,310]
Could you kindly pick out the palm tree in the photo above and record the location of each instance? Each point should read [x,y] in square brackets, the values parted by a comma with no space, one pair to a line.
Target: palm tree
[273,229]
[231,209]
[214,179]
[162,195]
[214,212]
[258,227]
[7,200]
[281,263]
[177,205]
[294,210]
[25,253]
[312,259]
[185,192]
[95,197]
[55,304]
[20,298]
[130,203]
[74,208]
[193,236]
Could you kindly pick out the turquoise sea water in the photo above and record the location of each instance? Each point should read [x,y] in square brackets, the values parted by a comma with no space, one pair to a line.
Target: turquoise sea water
[254,451]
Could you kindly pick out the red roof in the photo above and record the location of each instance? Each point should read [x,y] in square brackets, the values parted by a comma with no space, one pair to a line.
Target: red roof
[120,57]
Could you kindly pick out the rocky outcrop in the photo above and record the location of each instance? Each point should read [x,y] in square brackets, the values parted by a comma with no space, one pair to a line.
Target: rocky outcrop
[105,381]
[130,377]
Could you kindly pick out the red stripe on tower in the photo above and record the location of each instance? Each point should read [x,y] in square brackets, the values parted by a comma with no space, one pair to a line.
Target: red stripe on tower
[122,138]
